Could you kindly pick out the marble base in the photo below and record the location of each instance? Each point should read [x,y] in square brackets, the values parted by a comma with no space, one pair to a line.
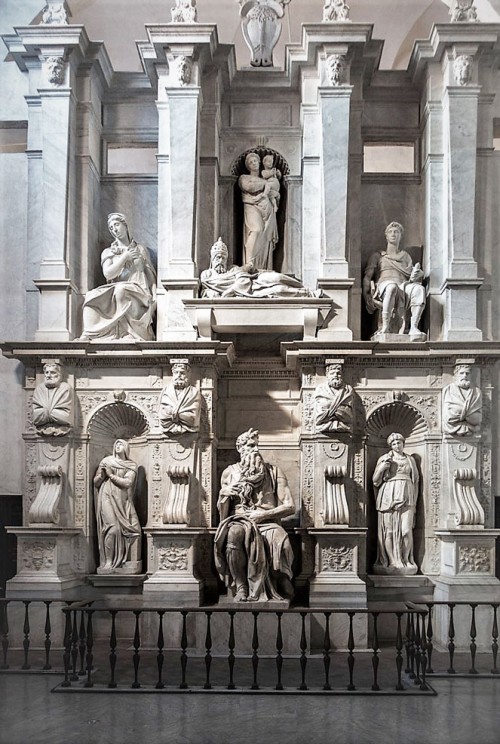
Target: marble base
[174,552]
[302,315]
[227,601]
[339,567]
[118,583]
[129,568]
[398,338]
[45,559]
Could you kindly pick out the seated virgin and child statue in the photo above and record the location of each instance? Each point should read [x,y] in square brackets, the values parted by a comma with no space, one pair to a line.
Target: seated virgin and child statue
[392,284]
[123,308]
[253,554]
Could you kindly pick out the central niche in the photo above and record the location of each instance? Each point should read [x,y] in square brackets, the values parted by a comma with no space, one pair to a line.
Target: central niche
[266,213]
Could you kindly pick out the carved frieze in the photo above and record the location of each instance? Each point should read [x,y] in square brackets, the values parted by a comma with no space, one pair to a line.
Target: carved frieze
[308,482]
[38,555]
[173,558]
[339,559]
[474,559]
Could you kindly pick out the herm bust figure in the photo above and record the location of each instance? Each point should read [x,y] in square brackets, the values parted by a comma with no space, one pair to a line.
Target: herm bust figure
[333,402]
[53,403]
[180,402]
[253,554]
[462,404]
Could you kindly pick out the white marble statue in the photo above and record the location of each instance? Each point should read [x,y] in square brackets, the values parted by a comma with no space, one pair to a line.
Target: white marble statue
[123,309]
[463,11]
[184,11]
[55,13]
[118,527]
[393,285]
[396,487]
[336,10]
[261,26]
[462,404]
[246,281]
[260,195]
[180,402]
[333,402]
[253,554]
[53,403]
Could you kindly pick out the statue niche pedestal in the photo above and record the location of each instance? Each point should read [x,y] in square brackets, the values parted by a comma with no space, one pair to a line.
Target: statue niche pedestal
[175,555]
[339,559]
[467,575]
[45,560]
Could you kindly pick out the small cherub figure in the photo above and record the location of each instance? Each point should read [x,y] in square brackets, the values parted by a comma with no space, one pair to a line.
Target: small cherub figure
[272,176]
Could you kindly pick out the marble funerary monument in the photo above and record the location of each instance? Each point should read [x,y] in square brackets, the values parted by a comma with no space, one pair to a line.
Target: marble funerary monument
[260,373]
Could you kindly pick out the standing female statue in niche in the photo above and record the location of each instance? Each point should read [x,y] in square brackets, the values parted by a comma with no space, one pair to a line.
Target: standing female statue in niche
[122,309]
[118,527]
[260,203]
[396,486]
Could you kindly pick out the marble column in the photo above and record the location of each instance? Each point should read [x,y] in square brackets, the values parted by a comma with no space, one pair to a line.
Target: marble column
[51,55]
[174,57]
[460,105]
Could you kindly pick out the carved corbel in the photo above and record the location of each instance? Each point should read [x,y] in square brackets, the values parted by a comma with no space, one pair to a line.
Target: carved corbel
[176,510]
[335,508]
[469,510]
[44,509]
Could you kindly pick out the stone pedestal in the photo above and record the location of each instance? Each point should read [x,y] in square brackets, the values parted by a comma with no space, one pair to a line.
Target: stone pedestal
[467,575]
[45,560]
[175,554]
[339,566]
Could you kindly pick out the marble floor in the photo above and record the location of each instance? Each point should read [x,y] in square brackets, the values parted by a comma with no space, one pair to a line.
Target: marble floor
[464,711]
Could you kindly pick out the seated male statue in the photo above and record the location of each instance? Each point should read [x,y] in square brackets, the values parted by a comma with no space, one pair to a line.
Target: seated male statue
[246,281]
[393,285]
[253,554]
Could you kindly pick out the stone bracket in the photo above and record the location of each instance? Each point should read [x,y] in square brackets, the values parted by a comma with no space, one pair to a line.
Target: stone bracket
[335,508]
[44,509]
[176,509]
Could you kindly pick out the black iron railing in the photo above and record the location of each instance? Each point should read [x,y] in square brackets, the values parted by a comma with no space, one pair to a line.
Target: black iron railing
[461,663]
[265,665]
[38,651]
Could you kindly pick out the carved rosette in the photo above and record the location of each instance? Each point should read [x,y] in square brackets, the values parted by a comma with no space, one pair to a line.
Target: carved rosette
[474,559]
[337,559]
[173,558]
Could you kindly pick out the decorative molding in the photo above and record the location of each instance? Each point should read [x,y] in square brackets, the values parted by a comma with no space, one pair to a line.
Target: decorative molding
[308,482]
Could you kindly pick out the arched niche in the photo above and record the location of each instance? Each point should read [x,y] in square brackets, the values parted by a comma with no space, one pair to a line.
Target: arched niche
[238,168]
[119,420]
[405,419]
